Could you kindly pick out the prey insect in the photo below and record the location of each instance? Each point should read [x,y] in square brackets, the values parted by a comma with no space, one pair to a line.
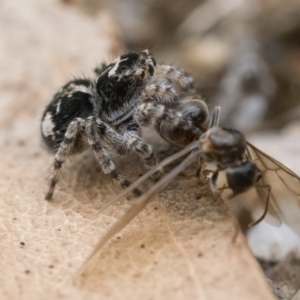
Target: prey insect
[245,167]
[105,113]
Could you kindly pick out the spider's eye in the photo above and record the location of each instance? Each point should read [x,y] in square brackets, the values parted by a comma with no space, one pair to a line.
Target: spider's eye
[115,77]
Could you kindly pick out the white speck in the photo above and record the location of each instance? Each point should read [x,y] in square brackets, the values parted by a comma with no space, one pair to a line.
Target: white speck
[115,67]
[84,89]
[48,125]
[58,107]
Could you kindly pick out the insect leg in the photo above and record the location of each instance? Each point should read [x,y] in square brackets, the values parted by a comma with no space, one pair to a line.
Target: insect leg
[64,149]
[268,187]
[213,182]
[201,168]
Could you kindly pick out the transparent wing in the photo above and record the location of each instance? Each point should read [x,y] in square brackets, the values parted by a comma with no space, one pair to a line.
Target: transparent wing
[285,187]
[159,167]
[141,203]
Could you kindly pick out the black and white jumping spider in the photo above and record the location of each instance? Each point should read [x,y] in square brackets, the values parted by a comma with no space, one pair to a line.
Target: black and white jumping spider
[105,113]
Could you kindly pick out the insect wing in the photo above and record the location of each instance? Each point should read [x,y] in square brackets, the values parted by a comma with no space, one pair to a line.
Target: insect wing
[159,167]
[285,187]
[139,206]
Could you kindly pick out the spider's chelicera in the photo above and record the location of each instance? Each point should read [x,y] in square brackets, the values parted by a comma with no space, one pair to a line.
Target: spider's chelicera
[105,113]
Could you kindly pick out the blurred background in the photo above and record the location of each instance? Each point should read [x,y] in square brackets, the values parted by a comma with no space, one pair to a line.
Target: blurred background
[244,56]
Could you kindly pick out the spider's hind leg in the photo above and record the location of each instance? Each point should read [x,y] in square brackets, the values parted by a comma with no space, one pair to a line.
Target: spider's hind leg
[64,149]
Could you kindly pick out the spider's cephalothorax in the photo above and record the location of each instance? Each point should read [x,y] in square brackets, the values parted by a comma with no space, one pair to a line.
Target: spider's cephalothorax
[105,113]
[121,85]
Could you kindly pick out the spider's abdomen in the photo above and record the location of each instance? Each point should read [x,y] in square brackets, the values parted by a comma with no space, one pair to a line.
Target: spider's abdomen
[75,100]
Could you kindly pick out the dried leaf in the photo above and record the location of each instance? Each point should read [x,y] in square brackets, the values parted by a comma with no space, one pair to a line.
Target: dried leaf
[181,249]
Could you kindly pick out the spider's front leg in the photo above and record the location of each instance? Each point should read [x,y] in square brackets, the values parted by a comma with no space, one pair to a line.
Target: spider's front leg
[133,142]
[127,139]
[107,165]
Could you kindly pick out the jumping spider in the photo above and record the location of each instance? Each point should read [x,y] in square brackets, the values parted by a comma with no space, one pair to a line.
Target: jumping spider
[105,113]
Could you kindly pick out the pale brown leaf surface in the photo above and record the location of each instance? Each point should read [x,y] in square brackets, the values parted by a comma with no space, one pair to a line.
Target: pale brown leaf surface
[177,247]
